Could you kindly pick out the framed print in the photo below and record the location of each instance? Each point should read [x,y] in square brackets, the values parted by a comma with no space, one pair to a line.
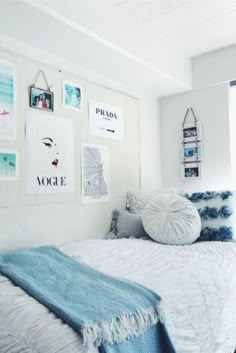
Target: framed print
[49,153]
[9,165]
[95,173]
[105,120]
[191,171]
[7,100]
[41,99]
[72,96]
[190,152]
[192,132]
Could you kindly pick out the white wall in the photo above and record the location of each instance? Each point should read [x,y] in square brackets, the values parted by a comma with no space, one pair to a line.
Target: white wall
[150,144]
[215,67]
[212,109]
[29,220]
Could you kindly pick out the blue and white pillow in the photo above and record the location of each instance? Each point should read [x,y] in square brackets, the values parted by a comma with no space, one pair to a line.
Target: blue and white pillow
[218,214]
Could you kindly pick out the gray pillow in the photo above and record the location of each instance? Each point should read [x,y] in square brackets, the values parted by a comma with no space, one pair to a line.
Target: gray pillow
[125,225]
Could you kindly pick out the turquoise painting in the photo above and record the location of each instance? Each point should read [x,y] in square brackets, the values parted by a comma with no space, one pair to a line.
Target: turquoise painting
[7,119]
[6,89]
[8,165]
[72,96]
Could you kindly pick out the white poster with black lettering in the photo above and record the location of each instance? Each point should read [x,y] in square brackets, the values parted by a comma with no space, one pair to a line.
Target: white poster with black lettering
[49,153]
[105,120]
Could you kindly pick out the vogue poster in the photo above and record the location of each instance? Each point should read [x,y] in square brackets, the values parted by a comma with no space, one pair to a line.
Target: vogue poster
[50,153]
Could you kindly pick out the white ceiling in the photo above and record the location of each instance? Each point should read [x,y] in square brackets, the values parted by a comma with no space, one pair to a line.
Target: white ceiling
[149,41]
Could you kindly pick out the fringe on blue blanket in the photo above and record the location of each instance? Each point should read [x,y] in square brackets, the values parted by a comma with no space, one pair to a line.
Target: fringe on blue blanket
[102,308]
[117,330]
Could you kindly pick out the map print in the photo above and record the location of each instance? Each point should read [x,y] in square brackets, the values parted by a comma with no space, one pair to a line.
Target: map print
[94,173]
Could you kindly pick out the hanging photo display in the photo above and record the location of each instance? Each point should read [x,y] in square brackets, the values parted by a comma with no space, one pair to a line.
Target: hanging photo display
[95,173]
[41,98]
[191,148]
[50,153]
[72,96]
[191,132]
[191,152]
[191,171]
[9,165]
[105,120]
[7,99]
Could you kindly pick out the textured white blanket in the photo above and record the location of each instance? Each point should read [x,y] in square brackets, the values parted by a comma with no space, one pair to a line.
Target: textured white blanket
[196,282]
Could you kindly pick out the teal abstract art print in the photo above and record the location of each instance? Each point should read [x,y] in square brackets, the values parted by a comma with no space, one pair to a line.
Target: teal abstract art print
[8,165]
[72,96]
[7,98]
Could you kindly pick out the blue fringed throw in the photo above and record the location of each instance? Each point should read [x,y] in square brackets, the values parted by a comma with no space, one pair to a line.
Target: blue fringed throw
[106,311]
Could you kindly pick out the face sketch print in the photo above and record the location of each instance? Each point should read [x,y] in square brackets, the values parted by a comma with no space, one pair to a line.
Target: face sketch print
[51,155]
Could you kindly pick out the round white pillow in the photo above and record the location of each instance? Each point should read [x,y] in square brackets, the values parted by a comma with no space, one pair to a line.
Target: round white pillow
[171,219]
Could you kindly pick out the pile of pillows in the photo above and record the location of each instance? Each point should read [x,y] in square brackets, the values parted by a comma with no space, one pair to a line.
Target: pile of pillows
[169,217]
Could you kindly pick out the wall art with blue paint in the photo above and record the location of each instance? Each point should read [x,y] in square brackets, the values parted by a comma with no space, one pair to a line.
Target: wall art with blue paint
[7,99]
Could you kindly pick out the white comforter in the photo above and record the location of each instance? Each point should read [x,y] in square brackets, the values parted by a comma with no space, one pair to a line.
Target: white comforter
[197,284]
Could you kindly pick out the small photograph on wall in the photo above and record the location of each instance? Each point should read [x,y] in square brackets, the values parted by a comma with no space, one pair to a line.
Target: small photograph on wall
[9,168]
[72,96]
[41,99]
[7,99]
[191,171]
[190,152]
[95,173]
[192,132]
[49,153]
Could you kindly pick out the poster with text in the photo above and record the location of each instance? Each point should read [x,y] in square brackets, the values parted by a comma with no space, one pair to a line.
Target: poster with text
[105,120]
[95,173]
[7,98]
[50,153]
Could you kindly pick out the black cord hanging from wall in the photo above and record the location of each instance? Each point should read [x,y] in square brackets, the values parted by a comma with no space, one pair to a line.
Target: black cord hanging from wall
[189,110]
[41,98]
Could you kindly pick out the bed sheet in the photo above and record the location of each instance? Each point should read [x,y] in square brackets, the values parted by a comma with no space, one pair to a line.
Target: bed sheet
[197,284]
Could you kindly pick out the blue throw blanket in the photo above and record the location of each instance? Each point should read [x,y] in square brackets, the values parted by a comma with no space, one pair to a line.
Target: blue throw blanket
[116,315]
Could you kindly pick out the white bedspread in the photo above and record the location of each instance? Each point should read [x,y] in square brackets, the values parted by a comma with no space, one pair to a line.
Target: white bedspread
[197,284]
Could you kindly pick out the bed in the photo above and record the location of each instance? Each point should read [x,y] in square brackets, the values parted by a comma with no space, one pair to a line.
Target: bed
[197,284]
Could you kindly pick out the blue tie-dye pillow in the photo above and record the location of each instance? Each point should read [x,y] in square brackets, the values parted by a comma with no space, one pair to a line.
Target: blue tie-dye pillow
[217,212]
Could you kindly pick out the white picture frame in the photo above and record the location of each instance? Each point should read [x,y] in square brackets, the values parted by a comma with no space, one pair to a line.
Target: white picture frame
[191,152]
[191,171]
[192,132]
[9,165]
[72,96]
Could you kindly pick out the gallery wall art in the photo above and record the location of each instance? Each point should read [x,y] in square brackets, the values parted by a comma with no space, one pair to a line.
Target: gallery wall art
[49,153]
[95,173]
[191,148]
[9,165]
[105,120]
[72,96]
[7,101]
[41,98]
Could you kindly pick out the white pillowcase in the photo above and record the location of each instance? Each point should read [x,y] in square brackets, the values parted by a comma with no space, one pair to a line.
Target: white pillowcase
[137,200]
[171,219]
